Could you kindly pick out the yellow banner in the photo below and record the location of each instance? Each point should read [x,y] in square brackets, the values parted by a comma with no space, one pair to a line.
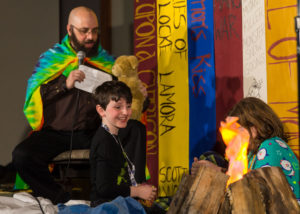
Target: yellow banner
[281,48]
[173,98]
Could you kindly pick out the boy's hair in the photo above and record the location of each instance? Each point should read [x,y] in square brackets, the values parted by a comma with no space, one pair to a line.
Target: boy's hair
[112,90]
[254,112]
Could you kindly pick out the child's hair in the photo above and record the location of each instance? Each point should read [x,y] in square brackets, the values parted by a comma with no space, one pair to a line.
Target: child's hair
[112,90]
[253,112]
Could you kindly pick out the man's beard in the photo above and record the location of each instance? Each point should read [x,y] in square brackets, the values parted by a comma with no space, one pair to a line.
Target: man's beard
[80,47]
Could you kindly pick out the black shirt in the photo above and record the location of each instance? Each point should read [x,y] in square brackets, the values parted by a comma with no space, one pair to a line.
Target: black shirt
[109,172]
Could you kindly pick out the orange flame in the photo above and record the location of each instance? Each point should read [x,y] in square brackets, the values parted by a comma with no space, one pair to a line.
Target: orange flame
[236,139]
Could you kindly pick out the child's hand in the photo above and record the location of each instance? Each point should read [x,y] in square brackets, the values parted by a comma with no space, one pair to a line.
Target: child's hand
[195,167]
[210,165]
[144,191]
[196,164]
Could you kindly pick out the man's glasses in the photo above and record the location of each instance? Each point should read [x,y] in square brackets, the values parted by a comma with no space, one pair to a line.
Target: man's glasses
[85,31]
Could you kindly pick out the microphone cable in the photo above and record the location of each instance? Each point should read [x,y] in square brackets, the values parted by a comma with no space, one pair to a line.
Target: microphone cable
[40,206]
[81,56]
[64,180]
[70,154]
[71,137]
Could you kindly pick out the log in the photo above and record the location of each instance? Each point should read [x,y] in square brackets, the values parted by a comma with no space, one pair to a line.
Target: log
[245,197]
[225,207]
[180,194]
[206,192]
[263,190]
[280,196]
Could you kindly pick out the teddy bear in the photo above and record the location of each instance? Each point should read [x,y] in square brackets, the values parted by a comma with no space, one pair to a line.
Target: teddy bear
[125,69]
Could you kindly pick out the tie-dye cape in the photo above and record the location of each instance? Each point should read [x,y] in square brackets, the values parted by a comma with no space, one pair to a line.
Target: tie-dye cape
[61,59]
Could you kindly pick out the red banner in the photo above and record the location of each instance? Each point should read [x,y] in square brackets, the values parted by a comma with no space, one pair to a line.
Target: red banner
[228,55]
[145,48]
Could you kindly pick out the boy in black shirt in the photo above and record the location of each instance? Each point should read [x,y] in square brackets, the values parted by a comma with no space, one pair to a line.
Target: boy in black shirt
[112,172]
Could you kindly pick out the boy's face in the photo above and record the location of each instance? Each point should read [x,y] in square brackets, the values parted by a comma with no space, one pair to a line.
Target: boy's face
[116,114]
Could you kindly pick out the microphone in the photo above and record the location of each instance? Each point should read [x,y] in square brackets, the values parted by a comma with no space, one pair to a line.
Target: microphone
[81,56]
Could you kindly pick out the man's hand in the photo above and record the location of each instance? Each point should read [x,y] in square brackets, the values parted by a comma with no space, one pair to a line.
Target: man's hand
[75,75]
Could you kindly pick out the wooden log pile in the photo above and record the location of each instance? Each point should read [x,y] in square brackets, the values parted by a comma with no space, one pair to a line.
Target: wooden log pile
[263,190]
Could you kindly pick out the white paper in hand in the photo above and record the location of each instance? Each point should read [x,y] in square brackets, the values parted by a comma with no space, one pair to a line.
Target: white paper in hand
[93,78]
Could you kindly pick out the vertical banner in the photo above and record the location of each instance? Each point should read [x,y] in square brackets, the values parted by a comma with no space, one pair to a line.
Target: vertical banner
[173,98]
[202,100]
[228,57]
[145,48]
[254,51]
[281,47]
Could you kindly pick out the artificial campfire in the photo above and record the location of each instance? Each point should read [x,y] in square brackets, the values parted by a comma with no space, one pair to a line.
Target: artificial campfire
[263,190]
[236,139]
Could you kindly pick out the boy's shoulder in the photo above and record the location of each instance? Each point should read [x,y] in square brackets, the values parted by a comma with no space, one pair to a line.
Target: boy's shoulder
[102,140]
[101,133]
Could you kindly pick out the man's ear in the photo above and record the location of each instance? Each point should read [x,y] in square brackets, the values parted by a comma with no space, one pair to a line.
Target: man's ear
[100,110]
[69,29]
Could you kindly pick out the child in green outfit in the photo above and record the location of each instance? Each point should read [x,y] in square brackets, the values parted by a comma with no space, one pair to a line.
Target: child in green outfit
[267,145]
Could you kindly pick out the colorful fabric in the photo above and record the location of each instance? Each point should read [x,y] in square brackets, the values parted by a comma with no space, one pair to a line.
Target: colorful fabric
[180,80]
[276,152]
[61,59]
[238,55]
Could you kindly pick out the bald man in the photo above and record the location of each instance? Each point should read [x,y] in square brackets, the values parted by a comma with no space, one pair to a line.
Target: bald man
[63,117]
